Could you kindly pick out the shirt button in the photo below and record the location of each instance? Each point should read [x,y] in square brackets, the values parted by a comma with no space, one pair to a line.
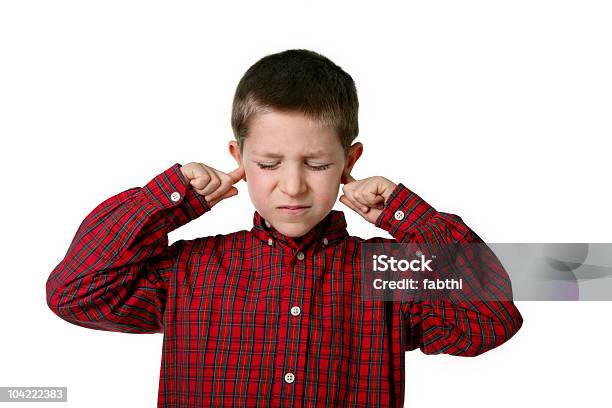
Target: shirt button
[300,256]
[175,196]
[325,241]
[399,215]
[267,223]
[289,377]
[270,241]
[295,310]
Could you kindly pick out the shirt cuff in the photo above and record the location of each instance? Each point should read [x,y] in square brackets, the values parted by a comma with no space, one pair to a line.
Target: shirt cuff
[403,211]
[171,191]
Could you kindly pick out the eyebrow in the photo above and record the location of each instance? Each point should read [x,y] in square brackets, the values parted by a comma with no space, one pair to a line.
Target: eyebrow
[309,155]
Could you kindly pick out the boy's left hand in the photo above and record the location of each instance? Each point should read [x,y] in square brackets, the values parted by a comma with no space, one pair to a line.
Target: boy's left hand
[366,197]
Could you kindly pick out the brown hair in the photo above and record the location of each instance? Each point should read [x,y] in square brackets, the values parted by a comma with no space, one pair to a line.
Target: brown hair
[297,81]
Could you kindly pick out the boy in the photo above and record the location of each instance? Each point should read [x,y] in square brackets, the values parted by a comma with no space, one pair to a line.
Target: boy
[272,316]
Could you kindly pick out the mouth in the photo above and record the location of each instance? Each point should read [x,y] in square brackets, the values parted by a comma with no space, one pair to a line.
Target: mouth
[293,209]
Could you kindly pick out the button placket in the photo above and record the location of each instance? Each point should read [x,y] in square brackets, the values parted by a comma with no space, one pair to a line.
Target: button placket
[294,312]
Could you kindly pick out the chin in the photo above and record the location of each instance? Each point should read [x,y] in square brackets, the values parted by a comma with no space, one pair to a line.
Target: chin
[293,230]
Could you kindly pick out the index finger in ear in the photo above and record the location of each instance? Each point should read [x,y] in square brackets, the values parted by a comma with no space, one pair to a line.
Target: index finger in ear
[237,174]
[348,178]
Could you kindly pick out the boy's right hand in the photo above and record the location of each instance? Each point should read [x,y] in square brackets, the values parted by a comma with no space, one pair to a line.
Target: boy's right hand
[213,184]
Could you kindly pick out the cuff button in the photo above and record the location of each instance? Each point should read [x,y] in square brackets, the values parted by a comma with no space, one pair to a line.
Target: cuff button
[175,196]
[399,215]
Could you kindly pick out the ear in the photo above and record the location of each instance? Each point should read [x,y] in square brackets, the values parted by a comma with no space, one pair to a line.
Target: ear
[353,155]
[234,150]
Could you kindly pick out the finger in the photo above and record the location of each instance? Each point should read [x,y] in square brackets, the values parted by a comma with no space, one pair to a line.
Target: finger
[217,193]
[347,178]
[237,175]
[230,193]
[373,199]
[187,172]
[213,184]
[361,200]
[354,196]
[199,179]
[224,186]
[352,205]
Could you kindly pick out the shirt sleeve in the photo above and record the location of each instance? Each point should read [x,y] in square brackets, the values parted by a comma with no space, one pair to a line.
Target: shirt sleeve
[115,273]
[466,327]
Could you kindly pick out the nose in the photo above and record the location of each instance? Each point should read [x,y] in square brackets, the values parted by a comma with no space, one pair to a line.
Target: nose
[292,181]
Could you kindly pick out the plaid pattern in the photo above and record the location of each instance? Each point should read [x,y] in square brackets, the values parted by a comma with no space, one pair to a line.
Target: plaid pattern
[226,304]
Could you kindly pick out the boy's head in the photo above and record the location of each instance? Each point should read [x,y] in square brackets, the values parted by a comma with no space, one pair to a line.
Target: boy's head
[294,117]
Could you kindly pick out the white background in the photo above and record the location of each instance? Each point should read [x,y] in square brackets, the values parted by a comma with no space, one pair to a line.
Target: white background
[496,111]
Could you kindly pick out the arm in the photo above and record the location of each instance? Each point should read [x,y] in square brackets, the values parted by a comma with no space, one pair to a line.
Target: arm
[463,328]
[114,276]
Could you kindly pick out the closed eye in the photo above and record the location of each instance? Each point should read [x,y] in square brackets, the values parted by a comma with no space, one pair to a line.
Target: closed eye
[266,166]
[318,168]
[272,166]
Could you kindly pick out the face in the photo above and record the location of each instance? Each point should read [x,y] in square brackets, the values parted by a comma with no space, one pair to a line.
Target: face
[293,168]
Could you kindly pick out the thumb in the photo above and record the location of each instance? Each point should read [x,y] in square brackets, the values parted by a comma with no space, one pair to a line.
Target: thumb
[229,193]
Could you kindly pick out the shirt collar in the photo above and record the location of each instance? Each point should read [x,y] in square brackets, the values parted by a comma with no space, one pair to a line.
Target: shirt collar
[329,230]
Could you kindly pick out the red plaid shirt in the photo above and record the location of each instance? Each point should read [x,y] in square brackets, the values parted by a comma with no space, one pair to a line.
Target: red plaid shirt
[254,318]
